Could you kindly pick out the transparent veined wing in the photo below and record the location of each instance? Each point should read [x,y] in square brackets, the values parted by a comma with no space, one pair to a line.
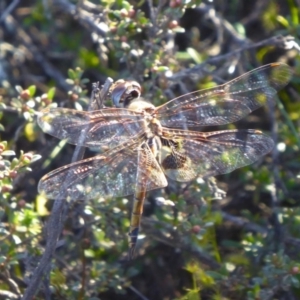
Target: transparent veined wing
[105,176]
[226,103]
[106,127]
[187,154]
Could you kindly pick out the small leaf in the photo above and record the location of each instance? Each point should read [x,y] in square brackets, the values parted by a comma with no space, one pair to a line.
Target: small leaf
[51,93]
[14,163]
[40,202]
[71,74]
[35,157]
[32,90]
[283,21]
[79,72]
[126,5]
[1,127]
[208,224]
[194,54]
[70,81]
[30,132]
[162,69]
[27,115]
[78,106]
[2,106]
[8,153]
[19,89]
[143,20]
[16,239]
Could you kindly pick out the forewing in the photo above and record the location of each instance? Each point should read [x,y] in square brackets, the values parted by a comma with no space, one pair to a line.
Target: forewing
[104,176]
[106,127]
[187,154]
[226,103]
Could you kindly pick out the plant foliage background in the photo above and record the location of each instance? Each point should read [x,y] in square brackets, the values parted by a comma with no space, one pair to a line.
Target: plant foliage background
[233,237]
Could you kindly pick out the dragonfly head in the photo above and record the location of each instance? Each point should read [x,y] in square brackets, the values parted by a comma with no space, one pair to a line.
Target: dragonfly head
[123,92]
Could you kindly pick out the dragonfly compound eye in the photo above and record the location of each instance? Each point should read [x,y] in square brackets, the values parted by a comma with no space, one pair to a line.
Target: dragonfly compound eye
[122,92]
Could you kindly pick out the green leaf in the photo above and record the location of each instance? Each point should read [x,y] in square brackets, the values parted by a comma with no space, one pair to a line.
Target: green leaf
[30,132]
[71,74]
[162,69]
[14,163]
[143,21]
[126,5]
[51,93]
[32,90]
[194,54]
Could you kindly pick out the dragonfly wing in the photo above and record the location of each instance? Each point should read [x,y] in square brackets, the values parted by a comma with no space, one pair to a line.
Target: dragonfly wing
[150,175]
[106,127]
[102,176]
[226,103]
[185,155]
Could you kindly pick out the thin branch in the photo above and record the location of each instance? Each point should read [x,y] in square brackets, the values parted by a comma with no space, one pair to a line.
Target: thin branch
[277,41]
[9,10]
[85,18]
[252,227]
[10,282]
[40,59]
[8,295]
[176,241]
[138,293]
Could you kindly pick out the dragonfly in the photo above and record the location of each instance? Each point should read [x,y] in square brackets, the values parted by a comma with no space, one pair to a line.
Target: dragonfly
[143,145]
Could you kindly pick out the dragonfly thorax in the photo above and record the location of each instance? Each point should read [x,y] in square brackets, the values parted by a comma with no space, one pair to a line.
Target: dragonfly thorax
[141,105]
[152,125]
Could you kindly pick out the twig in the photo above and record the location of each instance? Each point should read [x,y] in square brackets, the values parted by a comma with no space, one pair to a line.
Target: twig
[219,21]
[9,9]
[8,295]
[276,179]
[10,282]
[137,292]
[252,227]
[38,56]
[278,41]
[83,17]
[179,243]
[256,12]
